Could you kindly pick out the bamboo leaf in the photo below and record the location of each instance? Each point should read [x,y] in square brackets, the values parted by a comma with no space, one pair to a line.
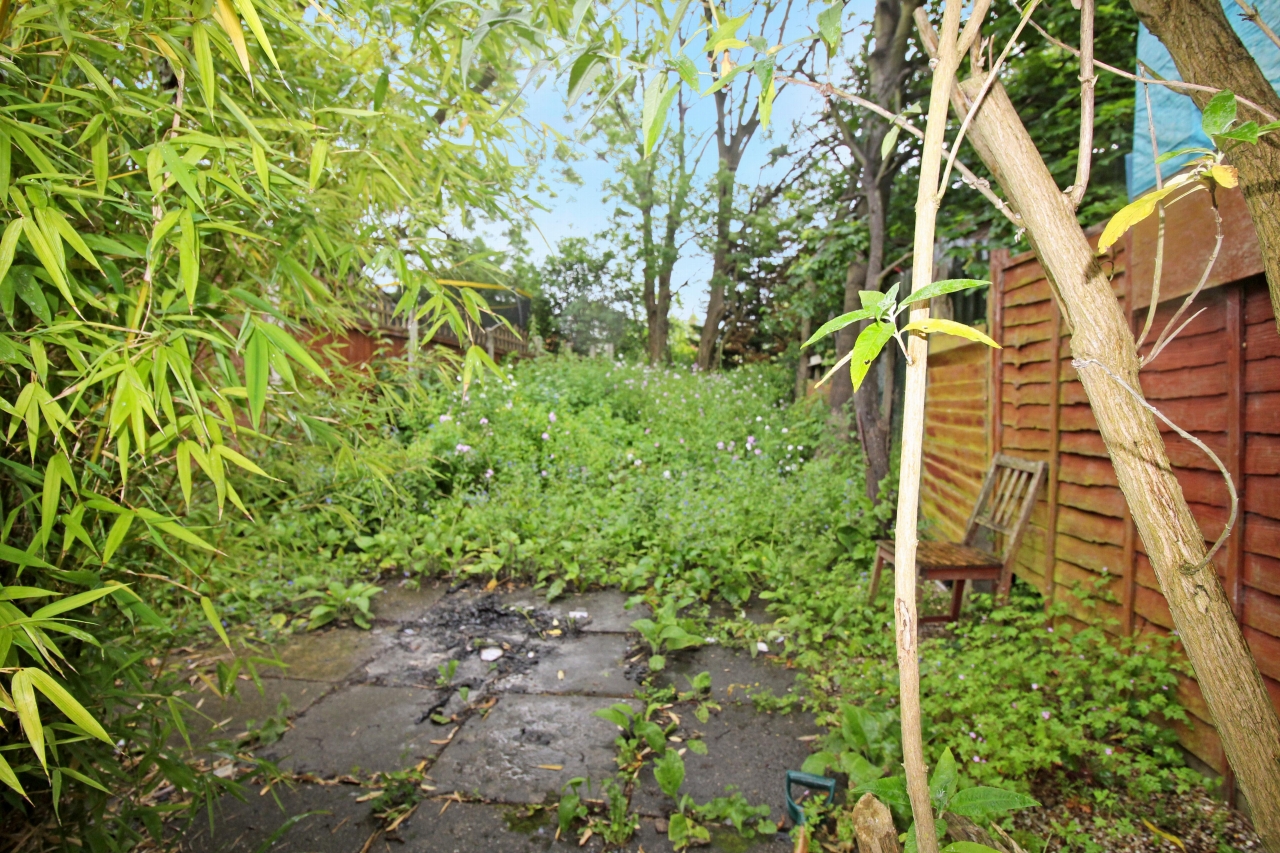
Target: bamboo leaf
[72,602]
[206,604]
[257,372]
[181,173]
[204,62]
[67,704]
[189,255]
[24,699]
[95,76]
[240,460]
[101,152]
[230,23]
[119,530]
[263,169]
[10,778]
[183,462]
[251,18]
[949,327]
[295,350]
[44,252]
[318,152]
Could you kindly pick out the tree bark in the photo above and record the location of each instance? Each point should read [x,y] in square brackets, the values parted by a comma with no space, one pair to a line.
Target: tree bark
[1208,52]
[887,71]
[1227,673]
[806,329]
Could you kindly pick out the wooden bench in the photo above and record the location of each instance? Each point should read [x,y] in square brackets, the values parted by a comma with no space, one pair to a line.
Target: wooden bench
[1001,513]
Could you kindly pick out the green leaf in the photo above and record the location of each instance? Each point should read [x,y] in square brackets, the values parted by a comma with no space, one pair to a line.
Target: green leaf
[657,102]
[726,35]
[67,704]
[668,770]
[619,714]
[891,790]
[188,255]
[73,602]
[985,802]
[286,342]
[582,75]
[688,72]
[380,89]
[250,15]
[657,663]
[182,173]
[263,168]
[840,322]
[24,700]
[817,763]
[100,151]
[829,26]
[889,142]
[768,90]
[318,152]
[728,78]
[939,288]
[210,613]
[1219,114]
[943,780]
[204,61]
[8,777]
[968,847]
[866,348]
[115,538]
[257,373]
[949,327]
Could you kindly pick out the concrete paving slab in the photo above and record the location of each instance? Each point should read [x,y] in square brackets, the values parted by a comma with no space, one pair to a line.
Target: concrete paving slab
[242,827]
[754,610]
[332,656]
[510,756]
[408,661]
[735,675]
[589,666]
[747,749]
[365,726]
[473,827]
[400,604]
[606,609]
[229,718]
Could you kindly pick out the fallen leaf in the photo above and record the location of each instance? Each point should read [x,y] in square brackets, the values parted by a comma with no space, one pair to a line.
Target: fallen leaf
[586,836]
[1167,836]
[372,795]
[402,818]
[555,632]
[550,766]
[491,585]
[560,674]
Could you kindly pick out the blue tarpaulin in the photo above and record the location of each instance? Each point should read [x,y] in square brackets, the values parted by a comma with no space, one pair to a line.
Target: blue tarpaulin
[1177,119]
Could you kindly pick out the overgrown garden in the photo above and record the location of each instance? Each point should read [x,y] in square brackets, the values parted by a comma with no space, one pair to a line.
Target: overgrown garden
[202,198]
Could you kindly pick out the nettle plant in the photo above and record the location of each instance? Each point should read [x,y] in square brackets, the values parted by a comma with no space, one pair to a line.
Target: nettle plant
[882,309]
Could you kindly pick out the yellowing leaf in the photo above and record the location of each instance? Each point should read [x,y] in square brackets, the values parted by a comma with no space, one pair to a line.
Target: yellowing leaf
[67,704]
[1136,211]
[230,23]
[1224,175]
[318,152]
[8,777]
[949,327]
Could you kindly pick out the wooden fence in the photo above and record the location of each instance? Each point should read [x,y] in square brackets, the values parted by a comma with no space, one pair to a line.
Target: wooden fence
[1219,379]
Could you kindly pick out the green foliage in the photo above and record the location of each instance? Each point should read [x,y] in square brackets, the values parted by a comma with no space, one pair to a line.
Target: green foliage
[338,600]
[668,770]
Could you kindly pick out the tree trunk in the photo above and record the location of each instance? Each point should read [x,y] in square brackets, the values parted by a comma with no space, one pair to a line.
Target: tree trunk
[1208,52]
[716,309]
[1227,674]
[806,329]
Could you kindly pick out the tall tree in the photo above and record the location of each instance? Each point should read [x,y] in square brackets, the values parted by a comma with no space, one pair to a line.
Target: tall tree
[886,72]
[738,117]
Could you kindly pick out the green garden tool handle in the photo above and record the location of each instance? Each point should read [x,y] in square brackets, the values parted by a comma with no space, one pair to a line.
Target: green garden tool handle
[808,780]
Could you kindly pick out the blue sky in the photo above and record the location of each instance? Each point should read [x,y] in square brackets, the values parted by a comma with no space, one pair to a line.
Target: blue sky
[582,211]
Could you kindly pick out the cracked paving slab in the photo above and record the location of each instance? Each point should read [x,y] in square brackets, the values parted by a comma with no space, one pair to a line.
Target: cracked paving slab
[364,727]
[528,747]
[735,675]
[606,610]
[594,667]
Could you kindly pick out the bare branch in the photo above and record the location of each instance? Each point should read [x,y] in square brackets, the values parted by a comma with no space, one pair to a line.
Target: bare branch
[1166,337]
[1251,14]
[981,185]
[1088,82]
[1154,81]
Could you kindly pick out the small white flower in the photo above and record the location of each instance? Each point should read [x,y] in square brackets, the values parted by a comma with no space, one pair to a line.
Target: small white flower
[666,475]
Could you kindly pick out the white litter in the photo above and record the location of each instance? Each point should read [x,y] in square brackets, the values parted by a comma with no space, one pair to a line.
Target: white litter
[490,654]
[762,646]
[579,615]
